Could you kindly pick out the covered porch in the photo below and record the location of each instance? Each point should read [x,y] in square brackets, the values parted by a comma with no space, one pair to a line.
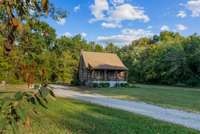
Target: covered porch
[107,75]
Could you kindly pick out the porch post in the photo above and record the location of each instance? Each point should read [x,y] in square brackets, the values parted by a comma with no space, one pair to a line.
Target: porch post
[116,75]
[92,78]
[126,76]
[105,75]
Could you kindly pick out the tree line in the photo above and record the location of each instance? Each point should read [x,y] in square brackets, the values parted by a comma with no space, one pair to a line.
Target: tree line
[165,59]
[41,52]
[168,58]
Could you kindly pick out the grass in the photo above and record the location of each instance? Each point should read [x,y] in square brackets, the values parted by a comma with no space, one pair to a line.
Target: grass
[174,97]
[67,116]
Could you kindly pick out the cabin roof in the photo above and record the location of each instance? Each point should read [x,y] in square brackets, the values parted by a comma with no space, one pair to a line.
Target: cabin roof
[97,60]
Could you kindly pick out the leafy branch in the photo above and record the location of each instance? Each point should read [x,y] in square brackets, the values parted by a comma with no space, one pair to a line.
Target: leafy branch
[15,111]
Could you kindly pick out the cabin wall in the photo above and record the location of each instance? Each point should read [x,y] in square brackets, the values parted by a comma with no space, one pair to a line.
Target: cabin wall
[83,73]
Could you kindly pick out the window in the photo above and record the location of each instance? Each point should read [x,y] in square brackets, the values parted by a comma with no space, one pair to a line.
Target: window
[98,75]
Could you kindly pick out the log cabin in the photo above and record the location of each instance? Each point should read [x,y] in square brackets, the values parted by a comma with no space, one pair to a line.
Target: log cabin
[96,67]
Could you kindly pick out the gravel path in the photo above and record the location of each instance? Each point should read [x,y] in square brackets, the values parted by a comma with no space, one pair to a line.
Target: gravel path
[187,119]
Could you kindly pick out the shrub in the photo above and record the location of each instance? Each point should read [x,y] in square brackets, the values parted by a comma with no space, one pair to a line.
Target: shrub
[105,84]
[124,85]
[100,85]
[117,85]
[179,84]
[58,82]
[76,82]
[95,85]
[193,82]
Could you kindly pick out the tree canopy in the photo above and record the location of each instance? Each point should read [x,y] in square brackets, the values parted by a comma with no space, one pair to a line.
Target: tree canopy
[168,58]
[165,59]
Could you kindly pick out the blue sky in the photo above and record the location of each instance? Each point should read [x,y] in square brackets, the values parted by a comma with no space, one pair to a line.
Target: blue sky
[121,21]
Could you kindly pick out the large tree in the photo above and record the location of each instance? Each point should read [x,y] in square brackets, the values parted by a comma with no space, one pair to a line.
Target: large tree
[21,26]
[19,16]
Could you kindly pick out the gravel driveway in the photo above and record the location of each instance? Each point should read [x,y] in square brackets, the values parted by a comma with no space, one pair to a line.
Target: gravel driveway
[187,119]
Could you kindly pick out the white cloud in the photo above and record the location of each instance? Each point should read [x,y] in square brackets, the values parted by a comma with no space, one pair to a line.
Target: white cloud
[165,28]
[126,36]
[98,8]
[149,27]
[67,34]
[83,34]
[181,27]
[181,14]
[182,4]
[117,2]
[116,12]
[77,8]
[61,21]
[194,6]
[128,12]
[110,25]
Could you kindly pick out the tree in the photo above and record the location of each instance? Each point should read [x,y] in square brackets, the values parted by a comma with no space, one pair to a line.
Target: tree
[17,17]
[168,58]
[20,26]
[111,48]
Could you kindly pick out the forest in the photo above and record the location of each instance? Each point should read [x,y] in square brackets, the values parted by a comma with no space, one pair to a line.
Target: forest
[168,58]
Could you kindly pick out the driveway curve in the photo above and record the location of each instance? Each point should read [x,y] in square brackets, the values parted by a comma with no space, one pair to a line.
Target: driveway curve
[187,119]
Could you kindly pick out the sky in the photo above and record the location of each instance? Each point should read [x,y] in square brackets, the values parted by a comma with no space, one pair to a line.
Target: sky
[122,21]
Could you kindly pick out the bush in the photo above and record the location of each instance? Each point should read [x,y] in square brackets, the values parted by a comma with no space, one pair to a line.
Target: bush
[100,85]
[179,84]
[117,85]
[193,82]
[95,85]
[105,84]
[75,82]
[124,85]
[58,82]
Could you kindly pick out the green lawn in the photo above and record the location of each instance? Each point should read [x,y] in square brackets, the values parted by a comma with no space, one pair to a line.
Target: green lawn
[166,96]
[74,117]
